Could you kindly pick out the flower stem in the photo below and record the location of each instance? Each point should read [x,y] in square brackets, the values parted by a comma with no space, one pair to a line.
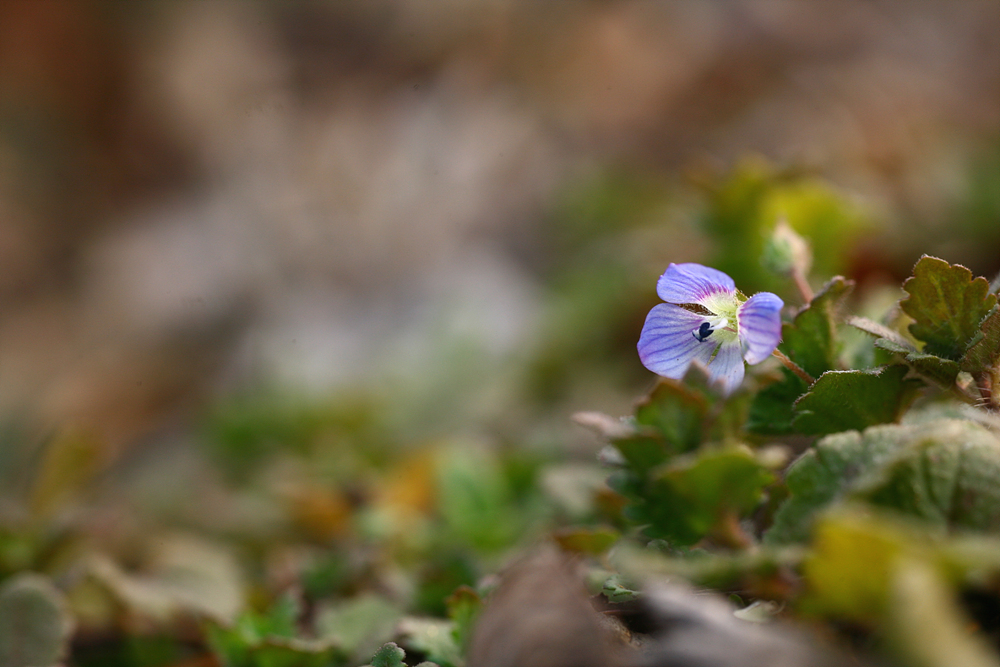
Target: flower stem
[802,284]
[793,367]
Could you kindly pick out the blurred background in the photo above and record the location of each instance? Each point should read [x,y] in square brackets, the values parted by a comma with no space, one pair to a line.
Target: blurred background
[277,276]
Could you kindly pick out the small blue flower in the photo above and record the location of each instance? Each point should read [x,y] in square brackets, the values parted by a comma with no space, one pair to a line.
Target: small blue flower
[705,318]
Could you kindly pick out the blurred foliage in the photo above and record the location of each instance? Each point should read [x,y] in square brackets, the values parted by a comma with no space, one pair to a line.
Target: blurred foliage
[838,490]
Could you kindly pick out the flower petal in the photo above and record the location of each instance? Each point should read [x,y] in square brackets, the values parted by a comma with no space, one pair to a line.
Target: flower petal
[692,283]
[759,324]
[727,367]
[666,344]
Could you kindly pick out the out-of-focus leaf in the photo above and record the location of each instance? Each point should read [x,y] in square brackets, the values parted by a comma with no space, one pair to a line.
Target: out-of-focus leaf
[573,488]
[475,500]
[233,648]
[926,626]
[280,620]
[760,611]
[947,306]
[604,425]
[942,471]
[359,625]
[35,624]
[824,473]
[851,566]
[71,459]
[270,639]
[184,575]
[435,638]
[745,205]
[593,541]
[389,655]
[845,400]
[984,354]
[871,570]
[464,606]
[642,452]
[676,412]
[947,474]
[440,574]
[687,499]
[615,591]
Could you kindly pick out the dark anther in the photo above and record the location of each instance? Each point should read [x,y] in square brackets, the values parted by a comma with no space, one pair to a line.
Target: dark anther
[703,332]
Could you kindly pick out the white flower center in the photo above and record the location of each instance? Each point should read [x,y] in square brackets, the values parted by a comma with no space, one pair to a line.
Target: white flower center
[721,324]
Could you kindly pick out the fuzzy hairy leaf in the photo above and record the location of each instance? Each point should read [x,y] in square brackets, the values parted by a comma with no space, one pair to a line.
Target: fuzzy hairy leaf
[389,655]
[824,473]
[846,400]
[984,353]
[947,474]
[947,305]
[943,471]
[941,372]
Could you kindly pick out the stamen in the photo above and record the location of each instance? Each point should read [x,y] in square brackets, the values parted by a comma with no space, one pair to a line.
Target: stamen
[703,332]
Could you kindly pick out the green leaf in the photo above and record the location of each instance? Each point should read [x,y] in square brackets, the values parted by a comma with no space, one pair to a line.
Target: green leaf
[584,540]
[744,206]
[358,625]
[280,620]
[894,347]
[464,606]
[926,624]
[947,306]
[984,354]
[941,372]
[389,655]
[676,412]
[476,501]
[270,639]
[615,591]
[811,340]
[772,411]
[642,452]
[845,400]
[824,474]
[898,342]
[433,637]
[35,625]
[948,474]
[684,501]
[278,652]
[851,565]
[945,471]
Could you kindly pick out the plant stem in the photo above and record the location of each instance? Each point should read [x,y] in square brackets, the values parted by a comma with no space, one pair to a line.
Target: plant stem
[802,284]
[987,382]
[793,367]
